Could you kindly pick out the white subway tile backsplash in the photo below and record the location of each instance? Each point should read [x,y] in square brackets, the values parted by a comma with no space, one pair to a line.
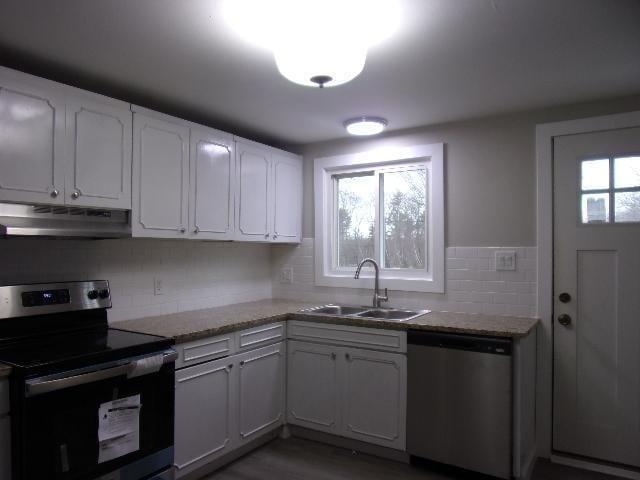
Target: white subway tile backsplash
[472,283]
[195,274]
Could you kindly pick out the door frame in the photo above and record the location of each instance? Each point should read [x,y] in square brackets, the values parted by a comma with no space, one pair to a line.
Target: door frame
[545,133]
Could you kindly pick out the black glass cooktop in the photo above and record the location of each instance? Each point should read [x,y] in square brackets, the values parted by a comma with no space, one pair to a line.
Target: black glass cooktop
[76,349]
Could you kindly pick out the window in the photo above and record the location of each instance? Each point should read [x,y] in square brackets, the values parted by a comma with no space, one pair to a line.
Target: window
[386,205]
[610,190]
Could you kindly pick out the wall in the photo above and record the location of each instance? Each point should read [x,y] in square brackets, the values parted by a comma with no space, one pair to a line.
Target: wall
[195,274]
[490,175]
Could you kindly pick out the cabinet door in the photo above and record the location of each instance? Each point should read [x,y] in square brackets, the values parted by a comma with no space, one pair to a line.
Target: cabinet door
[32,130]
[374,397]
[98,153]
[252,205]
[206,409]
[312,386]
[287,199]
[160,178]
[5,447]
[261,390]
[212,171]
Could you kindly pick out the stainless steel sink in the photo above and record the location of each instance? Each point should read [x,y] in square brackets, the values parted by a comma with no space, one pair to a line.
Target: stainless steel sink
[387,314]
[338,310]
[392,314]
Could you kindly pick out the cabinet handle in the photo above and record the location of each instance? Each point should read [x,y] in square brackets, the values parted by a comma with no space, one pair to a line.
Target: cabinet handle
[182,229]
[55,193]
[275,236]
[348,357]
[266,235]
[230,366]
[196,230]
[75,194]
[242,363]
[333,356]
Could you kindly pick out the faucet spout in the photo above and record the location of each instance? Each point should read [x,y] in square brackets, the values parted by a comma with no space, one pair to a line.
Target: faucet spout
[377,298]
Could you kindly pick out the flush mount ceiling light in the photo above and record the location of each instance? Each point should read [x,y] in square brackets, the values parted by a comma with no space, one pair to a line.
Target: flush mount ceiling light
[365,125]
[315,42]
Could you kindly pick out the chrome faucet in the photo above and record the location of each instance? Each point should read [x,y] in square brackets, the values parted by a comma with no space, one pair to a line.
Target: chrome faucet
[377,298]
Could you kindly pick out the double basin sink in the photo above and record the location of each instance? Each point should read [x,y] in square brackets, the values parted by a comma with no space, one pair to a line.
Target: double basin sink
[386,314]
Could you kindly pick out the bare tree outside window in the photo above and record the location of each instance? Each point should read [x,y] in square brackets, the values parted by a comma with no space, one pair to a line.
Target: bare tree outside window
[356,219]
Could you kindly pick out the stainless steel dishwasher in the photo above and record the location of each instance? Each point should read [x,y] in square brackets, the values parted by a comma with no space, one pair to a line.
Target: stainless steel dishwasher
[459,407]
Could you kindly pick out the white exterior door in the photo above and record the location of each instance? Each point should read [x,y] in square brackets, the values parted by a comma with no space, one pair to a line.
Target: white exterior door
[375,393]
[32,127]
[253,193]
[205,413]
[98,152]
[312,386]
[261,390]
[287,194]
[160,178]
[212,171]
[597,295]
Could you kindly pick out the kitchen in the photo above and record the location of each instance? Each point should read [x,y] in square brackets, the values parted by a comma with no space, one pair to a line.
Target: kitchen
[149,146]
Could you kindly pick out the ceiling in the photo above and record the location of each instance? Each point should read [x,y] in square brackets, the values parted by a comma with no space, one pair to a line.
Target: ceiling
[451,60]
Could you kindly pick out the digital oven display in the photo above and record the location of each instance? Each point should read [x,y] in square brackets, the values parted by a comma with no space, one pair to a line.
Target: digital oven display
[45,297]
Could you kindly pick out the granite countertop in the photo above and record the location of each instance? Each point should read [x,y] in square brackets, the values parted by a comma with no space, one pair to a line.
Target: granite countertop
[5,371]
[192,325]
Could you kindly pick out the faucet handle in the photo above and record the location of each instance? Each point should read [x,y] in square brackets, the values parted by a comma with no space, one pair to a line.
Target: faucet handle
[386,296]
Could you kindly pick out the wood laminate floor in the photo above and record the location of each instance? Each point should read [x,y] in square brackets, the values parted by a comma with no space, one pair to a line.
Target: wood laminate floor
[297,459]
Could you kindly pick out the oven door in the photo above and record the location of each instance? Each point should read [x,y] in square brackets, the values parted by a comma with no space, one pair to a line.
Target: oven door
[56,430]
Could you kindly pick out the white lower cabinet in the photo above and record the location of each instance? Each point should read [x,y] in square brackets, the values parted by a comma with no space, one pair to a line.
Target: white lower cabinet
[312,392]
[225,403]
[355,393]
[261,390]
[205,413]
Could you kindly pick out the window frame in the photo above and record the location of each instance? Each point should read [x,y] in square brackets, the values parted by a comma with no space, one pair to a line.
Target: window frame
[327,274]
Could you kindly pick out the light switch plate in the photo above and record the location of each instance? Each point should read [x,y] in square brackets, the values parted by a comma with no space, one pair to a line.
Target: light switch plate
[505,260]
[286,275]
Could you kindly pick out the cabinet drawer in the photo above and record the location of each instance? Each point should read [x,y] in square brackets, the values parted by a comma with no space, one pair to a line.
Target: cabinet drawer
[259,336]
[362,337]
[199,351]
[4,397]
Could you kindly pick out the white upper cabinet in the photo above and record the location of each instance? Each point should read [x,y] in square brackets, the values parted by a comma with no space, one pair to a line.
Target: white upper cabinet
[98,152]
[269,194]
[62,145]
[32,127]
[253,193]
[287,198]
[160,178]
[211,192]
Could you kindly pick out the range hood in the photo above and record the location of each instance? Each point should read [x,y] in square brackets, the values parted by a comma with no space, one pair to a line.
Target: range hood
[61,221]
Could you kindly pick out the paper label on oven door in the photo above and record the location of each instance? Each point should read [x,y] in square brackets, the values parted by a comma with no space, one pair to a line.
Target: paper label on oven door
[118,428]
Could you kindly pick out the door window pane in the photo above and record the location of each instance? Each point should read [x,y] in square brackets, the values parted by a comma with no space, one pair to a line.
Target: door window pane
[627,172]
[595,174]
[404,207]
[627,205]
[595,208]
[356,216]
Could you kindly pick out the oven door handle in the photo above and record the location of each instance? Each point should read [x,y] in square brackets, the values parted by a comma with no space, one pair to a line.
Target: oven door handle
[39,386]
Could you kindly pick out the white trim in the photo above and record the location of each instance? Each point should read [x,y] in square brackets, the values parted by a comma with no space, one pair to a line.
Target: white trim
[544,158]
[595,467]
[324,167]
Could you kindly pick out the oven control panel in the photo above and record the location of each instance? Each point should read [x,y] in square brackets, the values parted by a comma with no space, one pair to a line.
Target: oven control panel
[45,297]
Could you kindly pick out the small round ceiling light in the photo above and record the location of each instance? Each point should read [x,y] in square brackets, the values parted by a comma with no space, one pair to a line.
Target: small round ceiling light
[363,126]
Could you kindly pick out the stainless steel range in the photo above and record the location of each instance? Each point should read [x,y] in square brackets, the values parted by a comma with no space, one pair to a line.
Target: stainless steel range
[87,401]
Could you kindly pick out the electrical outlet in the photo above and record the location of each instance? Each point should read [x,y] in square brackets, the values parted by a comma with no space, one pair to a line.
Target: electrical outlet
[505,260]
[158,286]
[286,275]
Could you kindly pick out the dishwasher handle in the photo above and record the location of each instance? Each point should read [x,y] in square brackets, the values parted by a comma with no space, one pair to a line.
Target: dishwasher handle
[470,343]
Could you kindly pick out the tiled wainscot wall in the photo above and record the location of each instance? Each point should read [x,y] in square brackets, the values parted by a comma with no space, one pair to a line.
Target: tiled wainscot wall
[472,283]
[194,274]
